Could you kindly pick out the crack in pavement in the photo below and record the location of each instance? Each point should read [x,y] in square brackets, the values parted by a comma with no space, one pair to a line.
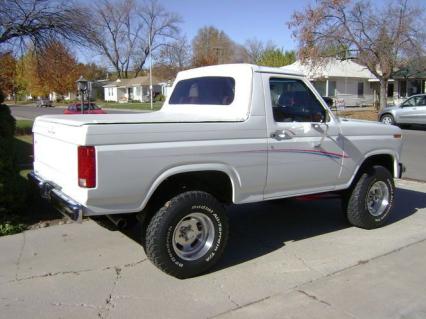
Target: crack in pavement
[313,297]
[109,304]
[74,272]
[21,251]
[83,305]
[307,266]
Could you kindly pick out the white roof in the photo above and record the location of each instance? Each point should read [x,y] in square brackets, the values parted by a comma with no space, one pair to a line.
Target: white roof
[332,67]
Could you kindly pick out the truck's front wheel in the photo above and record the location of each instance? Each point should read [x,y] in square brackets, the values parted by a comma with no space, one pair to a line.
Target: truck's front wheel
[369,204]
[187,235]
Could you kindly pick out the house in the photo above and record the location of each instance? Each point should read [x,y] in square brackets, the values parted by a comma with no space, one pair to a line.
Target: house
[349,83]
[96,92]
[410,80]
[135,89]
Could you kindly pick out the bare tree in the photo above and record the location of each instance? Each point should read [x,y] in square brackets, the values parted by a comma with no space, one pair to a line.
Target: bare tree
[254,49]
[381,37]
[176,54]
[40,21]
[161,27]
[115,32]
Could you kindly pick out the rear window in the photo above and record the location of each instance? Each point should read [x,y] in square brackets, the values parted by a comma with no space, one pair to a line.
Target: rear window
[212,90]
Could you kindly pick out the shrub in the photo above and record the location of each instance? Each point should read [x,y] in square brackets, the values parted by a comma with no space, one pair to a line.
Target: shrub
[159,98]
[12,187]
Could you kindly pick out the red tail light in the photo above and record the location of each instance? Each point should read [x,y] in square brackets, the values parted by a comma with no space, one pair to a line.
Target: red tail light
[87,166]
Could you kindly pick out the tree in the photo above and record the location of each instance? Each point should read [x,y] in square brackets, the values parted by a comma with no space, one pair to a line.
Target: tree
[276,58]
[212,46]
[7,73]
[382,37]
[40,21]
[57,68]
[122,31]
[176,54]
[254,49]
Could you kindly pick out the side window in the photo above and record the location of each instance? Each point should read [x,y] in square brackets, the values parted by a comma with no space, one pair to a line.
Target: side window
[293,101]
[409,102]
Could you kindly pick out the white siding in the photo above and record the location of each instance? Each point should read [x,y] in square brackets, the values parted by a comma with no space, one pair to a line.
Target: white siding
[110,94]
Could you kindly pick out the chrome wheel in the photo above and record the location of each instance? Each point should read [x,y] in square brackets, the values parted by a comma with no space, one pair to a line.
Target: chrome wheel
[387,119]
[193,236]
[377,198]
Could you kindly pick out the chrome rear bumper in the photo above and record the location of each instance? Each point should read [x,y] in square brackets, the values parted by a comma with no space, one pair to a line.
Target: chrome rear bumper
[64,204]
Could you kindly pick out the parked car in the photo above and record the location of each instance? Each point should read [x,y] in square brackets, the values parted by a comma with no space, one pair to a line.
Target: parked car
[44,102]
[221,138]
[91,108]
[410,111]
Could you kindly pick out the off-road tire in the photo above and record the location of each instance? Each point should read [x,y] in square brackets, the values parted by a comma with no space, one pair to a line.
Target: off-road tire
[355,203]
[161,228]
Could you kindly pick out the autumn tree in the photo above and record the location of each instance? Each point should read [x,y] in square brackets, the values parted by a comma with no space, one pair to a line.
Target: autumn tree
[276,58]
[7,73]
[122,31]
[40,21]
[381,37]
[212,46]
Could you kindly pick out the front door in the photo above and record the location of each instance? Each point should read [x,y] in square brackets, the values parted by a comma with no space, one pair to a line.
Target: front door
[305,152]
[413,110]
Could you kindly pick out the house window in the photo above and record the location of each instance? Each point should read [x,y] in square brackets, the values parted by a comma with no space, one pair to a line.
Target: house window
[320,87]
[332,88]
[360,89]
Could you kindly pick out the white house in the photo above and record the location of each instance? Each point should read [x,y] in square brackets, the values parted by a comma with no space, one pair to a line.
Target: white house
[136,89]
[349,83]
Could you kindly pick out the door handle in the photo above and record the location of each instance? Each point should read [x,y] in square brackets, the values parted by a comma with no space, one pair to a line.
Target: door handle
[283,135]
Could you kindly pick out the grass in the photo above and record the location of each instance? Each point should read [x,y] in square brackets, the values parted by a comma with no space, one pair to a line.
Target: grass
[23,127]
[12,223]
[370,115]
[131,105]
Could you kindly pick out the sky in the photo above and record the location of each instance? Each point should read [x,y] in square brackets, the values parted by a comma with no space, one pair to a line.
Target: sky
[265,20]
[240,20]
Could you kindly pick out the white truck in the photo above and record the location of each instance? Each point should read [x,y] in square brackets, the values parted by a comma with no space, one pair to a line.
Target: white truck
[227,134]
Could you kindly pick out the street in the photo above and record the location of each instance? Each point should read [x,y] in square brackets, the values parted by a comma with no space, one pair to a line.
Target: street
[285,259]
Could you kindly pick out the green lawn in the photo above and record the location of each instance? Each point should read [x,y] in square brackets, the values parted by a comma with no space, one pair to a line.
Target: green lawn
[132,106]
[24,127]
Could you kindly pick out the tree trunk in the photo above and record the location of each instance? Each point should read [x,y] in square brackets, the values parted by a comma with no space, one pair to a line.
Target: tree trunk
[383,93]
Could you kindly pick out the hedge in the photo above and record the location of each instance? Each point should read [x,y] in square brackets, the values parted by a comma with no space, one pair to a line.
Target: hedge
[12,186]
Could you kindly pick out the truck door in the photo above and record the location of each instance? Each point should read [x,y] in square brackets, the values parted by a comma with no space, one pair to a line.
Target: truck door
[305,152]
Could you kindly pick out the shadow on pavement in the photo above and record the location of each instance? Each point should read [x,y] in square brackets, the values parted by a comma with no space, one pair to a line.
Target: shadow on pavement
[261,228]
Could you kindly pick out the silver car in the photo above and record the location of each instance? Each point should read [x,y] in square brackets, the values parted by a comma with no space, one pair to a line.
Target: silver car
[410,111]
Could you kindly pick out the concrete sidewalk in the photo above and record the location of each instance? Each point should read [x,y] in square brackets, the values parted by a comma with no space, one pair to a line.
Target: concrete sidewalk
[285,259]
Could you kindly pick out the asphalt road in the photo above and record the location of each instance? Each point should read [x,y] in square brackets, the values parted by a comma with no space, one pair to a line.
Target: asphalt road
[285,259]
[31,112]
[413,153]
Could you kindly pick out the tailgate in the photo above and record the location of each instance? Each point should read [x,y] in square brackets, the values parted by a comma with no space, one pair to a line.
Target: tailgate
[55,154]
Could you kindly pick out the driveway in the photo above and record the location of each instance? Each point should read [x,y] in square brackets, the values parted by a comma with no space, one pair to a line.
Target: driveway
[285,259]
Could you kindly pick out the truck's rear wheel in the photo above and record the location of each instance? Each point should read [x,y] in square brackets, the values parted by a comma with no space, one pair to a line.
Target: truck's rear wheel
[369,204]
[187,235]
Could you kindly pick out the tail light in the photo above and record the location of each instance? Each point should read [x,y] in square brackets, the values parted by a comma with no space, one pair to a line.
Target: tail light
[87,166]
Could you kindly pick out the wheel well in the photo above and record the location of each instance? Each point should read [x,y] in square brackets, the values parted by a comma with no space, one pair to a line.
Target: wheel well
[385,160]
[216,183]
[390,114]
